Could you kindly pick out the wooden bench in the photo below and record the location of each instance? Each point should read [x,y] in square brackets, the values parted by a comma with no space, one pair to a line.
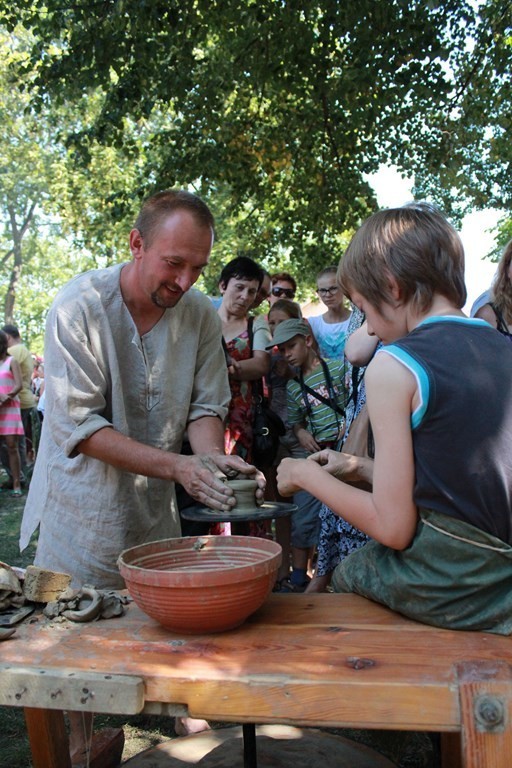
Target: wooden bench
[312,660]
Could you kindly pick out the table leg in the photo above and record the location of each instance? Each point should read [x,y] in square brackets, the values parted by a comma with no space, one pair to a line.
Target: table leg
[249,738]
[48,738]
[485,690]
[451,756]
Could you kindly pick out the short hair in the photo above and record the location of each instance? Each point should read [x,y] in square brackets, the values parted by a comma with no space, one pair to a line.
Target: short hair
[292,308]
[11,330]
[162,204]
[284,276]
[243,268]
[4,343]
[417,246]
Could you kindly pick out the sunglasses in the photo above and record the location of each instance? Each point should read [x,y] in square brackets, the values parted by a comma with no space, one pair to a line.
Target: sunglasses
[289,293]
[327,291]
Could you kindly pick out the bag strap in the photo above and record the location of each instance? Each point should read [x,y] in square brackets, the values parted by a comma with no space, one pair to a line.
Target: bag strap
[321,398]
[330,402]
[502,327]
[256,385]
[250,331]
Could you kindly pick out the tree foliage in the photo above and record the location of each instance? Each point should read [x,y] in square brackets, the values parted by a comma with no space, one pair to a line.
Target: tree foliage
[279,107]
[274,111]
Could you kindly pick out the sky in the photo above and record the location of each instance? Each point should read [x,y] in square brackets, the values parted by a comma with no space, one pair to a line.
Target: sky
[392,190]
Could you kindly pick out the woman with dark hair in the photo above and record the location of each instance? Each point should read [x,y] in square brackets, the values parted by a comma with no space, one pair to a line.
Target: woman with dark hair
[498,312]
[247,359]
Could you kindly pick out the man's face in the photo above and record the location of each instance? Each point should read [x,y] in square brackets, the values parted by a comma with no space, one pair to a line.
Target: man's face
[264,291]
[174,259]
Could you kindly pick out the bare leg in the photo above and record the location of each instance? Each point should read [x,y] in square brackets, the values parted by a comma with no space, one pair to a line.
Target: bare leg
[311,562]
[319,583]
[11,442]
[186,726]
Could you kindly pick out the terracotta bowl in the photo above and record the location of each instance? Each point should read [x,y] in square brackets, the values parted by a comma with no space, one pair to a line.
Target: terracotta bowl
[201,584]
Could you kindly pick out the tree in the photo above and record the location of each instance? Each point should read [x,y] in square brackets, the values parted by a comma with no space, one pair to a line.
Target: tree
[53,206]
[276,111]
[24,169]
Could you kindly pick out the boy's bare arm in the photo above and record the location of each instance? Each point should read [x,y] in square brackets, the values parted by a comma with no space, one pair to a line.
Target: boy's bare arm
[388,514]
[360,346]
[391,392]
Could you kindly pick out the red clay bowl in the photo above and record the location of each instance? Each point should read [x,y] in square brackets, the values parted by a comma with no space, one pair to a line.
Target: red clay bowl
[201,584]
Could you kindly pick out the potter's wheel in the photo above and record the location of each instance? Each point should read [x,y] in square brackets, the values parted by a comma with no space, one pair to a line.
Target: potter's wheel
[266,511]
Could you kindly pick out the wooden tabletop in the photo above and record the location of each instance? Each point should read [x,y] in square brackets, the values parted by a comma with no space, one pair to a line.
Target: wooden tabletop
[313,660]
[320,660]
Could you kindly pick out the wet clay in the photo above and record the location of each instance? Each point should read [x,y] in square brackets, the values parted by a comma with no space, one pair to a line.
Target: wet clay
[244,491]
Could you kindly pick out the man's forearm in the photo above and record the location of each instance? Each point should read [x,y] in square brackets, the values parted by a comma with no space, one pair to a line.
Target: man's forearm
[206,435]
[122,452]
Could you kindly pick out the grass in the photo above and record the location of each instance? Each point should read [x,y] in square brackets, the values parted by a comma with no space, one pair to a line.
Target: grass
[406,750]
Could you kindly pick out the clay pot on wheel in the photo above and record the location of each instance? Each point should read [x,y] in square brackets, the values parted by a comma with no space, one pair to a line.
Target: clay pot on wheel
[245,495]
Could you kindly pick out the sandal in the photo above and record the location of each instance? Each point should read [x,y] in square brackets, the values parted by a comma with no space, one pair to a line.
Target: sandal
[17,492]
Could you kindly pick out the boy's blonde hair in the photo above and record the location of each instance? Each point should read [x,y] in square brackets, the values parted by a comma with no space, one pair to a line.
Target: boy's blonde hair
[417,246]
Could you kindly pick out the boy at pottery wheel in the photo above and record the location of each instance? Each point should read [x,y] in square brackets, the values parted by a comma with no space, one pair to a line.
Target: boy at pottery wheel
[439,396]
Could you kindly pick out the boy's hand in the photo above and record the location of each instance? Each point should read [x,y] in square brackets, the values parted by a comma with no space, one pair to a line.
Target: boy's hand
[288,476]
[342,466]
[307,440]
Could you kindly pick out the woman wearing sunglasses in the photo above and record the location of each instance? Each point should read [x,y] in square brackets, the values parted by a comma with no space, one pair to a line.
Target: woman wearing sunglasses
[283,287]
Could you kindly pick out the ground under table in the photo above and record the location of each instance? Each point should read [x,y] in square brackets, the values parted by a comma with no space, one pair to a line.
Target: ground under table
[313,660]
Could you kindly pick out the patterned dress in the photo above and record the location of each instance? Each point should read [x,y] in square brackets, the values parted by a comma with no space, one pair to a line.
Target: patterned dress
[10,414]
[238,428]
[339,538]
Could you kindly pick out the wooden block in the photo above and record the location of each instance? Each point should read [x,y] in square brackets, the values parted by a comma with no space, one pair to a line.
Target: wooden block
[42,586]
[486,713]
[68,690]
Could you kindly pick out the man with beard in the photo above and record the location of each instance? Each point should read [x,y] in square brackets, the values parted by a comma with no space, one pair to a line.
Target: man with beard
[134,360]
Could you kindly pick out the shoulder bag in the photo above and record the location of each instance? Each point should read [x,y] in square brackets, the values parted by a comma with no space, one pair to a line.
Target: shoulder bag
[267,426]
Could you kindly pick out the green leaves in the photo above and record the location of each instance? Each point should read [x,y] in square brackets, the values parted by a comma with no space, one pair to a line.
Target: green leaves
[273,111]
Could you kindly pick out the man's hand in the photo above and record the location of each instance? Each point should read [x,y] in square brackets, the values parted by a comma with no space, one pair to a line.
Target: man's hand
[203,477]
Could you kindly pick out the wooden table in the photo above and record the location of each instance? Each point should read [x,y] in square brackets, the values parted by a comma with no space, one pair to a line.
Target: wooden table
[312,660]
